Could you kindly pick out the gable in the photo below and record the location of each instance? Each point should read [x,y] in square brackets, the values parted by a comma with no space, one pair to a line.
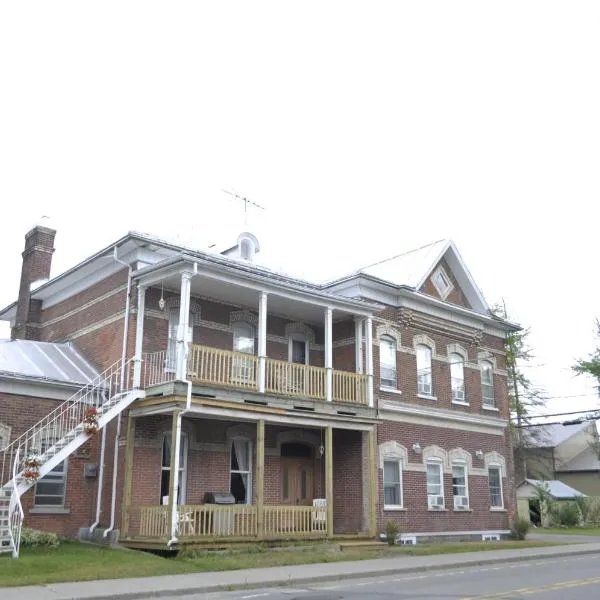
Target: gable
[443,284]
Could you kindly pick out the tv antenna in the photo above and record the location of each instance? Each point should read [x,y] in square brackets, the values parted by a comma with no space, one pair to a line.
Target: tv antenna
[246,202]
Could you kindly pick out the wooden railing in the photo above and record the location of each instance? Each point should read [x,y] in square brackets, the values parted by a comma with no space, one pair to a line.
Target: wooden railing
[210,521]
[350,387]
[291,379]
[222,367]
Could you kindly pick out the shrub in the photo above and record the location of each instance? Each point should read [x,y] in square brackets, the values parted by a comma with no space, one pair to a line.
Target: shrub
[568,514]
[32,538]
[593,511]
[520,528]
[391,532]
[584,504]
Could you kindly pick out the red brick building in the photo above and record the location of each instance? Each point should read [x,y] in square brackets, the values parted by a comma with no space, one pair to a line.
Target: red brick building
[312,410]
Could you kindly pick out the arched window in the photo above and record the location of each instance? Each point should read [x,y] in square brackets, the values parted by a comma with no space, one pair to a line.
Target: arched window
[387,362]
[457,377]
[424,379]
[244,371]
[243,338]
[487,384]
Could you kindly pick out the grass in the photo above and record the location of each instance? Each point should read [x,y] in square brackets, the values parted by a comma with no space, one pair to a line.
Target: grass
[73,561]
[593,531]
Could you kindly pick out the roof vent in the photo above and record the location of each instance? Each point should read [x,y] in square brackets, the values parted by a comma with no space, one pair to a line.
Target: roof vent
[247,246]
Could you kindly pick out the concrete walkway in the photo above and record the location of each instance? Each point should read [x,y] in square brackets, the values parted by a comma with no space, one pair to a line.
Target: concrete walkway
[196,583]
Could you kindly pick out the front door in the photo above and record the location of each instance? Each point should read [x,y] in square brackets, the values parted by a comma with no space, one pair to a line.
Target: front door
[297,481]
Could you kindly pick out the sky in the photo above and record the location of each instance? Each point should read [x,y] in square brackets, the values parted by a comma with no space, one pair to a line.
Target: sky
[363,129]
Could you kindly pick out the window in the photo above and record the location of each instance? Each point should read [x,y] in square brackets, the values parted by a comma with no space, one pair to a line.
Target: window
[165,469]
[460,489]
[487,384]
[387,362]
[457,377]
[298,349]
[243,343]
[240,471]
[392,483]
[246,249]
[50,490]
[171,362]
[424,381]
[442,283]
[495,483]
[435,485]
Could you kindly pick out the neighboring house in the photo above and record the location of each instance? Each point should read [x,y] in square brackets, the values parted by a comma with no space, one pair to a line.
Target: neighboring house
[528,495]
[310,410]
[568,453]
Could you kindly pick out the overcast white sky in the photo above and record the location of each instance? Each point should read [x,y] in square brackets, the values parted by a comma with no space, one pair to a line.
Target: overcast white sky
[364,129]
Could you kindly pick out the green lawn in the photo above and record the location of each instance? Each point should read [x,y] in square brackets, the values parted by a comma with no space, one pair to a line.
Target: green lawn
[594,531]
[83,562]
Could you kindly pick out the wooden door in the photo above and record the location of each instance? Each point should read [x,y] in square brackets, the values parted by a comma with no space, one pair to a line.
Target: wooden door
[297,481]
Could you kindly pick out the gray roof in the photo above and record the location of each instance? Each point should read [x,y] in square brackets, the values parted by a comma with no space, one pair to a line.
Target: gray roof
[44,361]
[587,460]
[550,436]
[558,489]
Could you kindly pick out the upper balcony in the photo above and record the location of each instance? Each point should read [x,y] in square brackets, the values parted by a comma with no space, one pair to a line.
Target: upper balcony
[221,323]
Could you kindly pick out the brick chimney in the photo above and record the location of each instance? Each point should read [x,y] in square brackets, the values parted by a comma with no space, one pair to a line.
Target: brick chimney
[37,259]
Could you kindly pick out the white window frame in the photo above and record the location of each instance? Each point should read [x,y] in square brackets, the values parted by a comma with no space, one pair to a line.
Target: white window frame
[457,378]
[446,286]
[424,373]
[391,368]
[56,477]
[298,337]
[487,401]
[400,483]
[498,468]
[244,370]
[248,473]
[182,480]
[440,468]
[465,467]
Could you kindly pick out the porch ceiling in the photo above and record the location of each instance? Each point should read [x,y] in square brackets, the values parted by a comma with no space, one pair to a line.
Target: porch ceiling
[246,297]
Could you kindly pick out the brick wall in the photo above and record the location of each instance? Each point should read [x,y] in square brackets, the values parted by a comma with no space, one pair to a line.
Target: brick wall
[456,296]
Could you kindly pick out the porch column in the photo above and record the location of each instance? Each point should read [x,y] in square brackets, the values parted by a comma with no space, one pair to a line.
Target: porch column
[329,478]
[262,342]
[128,472]
[369,342]
[358,338]
[174,472]
[373,483]
[182,330]
[260,478]
[329,354]
[139,337]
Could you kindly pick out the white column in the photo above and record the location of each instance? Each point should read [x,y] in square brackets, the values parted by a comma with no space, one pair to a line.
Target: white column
[262,342]
[184,323]
[358,330]
[329,354]
[369,342]
[139,336]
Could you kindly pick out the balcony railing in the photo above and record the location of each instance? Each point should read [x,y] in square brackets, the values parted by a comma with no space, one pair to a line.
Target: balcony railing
[238,370]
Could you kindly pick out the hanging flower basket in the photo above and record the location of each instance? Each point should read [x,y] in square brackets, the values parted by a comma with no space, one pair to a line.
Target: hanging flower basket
[90,422]
[31,467]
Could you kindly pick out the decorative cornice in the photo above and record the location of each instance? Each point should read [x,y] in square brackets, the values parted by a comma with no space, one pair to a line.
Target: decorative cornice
[245,316]
[173,302]
[302,329]
[395,451]
[387,329]
[457,349]
[422,339]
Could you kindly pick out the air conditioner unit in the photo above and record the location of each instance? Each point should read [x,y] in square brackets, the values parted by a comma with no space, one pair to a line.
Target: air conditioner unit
[425,389]
[461,502]
[458,395]
[435,501]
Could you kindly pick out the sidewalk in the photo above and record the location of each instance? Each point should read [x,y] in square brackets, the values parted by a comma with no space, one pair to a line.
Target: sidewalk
[196,583]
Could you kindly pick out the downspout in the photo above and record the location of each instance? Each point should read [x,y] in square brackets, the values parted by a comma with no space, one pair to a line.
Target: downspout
[188,404]
[121,389]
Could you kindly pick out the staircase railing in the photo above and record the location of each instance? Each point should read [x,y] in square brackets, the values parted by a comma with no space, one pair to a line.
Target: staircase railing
[15,511]
[67,416]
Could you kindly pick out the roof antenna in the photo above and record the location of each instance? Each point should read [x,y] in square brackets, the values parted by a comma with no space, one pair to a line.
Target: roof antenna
[246,202]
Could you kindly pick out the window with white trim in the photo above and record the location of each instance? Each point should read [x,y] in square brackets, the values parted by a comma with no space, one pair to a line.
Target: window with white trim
[442,282]
[435,485]
[392,483]
[240,471]
[487,384]
[298,349]
[460,486]
[50,490]
[387,362]
[457,377]
[171,361]
[424,379]
[243,343]
[165,469]
[495,485]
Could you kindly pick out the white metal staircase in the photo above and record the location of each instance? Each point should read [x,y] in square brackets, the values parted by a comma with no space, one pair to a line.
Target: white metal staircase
[54,438]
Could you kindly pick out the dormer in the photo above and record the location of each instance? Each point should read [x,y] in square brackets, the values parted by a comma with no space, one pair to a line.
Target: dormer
[245,249]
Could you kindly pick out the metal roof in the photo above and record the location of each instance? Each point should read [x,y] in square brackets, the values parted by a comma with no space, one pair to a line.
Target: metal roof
[557,489]
[550,436]
[44,361]
[587,460]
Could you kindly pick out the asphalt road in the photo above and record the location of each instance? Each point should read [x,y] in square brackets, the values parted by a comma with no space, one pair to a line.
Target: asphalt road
[575,578]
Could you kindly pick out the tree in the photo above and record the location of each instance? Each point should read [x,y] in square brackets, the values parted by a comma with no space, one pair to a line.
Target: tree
[591,366]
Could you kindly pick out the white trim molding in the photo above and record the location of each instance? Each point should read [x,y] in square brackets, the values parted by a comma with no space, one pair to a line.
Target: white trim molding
[195,309]
[425,340]
[392,450]
[460,456]
[457,349]
[488,356]
[387,329]
[241,431]
[495,459]
[434,452]
[246,316]
[300,328]
[444,293]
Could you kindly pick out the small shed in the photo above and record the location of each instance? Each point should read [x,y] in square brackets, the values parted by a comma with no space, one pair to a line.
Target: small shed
[526,493]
